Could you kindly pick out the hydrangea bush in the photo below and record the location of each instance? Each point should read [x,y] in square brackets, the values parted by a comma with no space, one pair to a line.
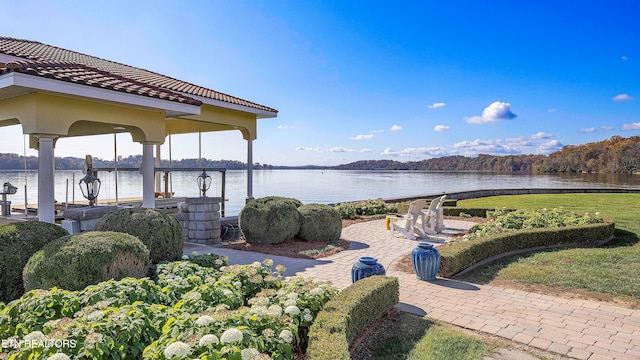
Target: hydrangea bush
[187,311]
[355,209]
[504,220]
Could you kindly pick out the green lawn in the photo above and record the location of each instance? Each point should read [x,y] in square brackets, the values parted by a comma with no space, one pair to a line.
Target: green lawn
[611,270]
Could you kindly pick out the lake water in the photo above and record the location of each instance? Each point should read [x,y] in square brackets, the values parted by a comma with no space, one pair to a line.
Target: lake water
[321,186]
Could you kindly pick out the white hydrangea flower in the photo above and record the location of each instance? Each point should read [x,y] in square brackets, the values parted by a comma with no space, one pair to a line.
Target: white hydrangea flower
[292,310]
[35,337]
[292,296]
[193,295]
[317,291]
[237,285]
[208,340]
[227,292]
[177,349]
[268,332]
[249,353]
[256,264]
[308,317]
[287,336]
[275,310]
[290,302]
[58,356]
[268,262]
[231,335]
[204,320]
[95,316]
[185,257]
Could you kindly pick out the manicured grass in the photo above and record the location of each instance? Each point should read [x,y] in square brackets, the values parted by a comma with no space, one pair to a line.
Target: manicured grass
[406,336]
[611,270]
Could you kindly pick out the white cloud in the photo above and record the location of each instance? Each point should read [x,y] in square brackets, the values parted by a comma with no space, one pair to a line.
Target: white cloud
[587,130]
[624,57]
[493,113]
[285,127]
[303,148]
[416,152]
[363,137]
[632,126]
[518,141]
[437,105]
[552,110]
[396,128]
[607,127]
[549,147]
[365,150]
[441,128]
[339,149]
[622,97]
[478,146]
[541,135]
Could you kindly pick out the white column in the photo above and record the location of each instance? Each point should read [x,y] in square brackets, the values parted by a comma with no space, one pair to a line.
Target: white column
[249,170]
[46,190]
[158,175]
[148,195]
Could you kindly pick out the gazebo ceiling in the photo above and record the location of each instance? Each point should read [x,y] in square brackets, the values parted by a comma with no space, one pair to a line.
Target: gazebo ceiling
[39,81]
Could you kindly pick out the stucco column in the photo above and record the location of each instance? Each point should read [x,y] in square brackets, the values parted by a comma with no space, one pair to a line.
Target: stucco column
[158,175]
[148,195]
[249,171]
[46,190]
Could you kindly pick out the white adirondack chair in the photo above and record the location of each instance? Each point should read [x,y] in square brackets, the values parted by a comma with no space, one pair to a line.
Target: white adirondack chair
[430,218]
[440,214]
[408,224]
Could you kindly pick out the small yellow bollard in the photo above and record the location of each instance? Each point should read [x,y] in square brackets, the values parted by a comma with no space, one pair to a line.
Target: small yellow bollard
[387,221]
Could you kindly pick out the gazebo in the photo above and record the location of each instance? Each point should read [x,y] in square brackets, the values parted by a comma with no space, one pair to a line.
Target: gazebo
[54,93]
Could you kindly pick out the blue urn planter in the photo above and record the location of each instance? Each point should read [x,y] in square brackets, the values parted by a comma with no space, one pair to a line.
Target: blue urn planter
[365,267]
[426,261]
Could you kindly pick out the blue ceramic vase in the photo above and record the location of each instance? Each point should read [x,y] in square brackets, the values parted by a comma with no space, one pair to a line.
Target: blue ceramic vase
[365,267]
[426,261]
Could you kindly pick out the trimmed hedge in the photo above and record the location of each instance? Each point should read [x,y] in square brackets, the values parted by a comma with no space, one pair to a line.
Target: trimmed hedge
[343,317]
[459,255]
[75,261]
[319,222]
[270,220]
[473,212]
[159,232]
[18,241]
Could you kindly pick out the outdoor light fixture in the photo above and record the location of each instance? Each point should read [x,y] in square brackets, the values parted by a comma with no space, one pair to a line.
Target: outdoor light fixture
[89,184]
[204,182]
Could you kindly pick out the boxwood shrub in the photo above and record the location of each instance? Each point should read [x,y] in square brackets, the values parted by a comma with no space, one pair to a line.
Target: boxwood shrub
[75,261]
[459,255]
[159,232]
[319,222]
[18,241]
[348,313]
[270,220]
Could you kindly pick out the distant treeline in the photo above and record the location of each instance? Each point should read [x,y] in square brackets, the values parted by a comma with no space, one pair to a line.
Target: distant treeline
[614,155]
[14,162]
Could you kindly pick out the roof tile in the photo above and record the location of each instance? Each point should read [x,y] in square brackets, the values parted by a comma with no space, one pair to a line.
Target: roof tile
[61,64]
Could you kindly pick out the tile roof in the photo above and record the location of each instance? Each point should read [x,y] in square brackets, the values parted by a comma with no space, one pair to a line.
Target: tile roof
[65,65]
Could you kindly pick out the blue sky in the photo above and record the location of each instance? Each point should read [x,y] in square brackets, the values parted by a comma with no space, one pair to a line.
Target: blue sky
[360,80]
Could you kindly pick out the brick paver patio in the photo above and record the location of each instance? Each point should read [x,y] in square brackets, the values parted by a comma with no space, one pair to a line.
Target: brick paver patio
[572,328]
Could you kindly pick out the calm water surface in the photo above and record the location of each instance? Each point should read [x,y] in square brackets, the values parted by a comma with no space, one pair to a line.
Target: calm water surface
[321,186]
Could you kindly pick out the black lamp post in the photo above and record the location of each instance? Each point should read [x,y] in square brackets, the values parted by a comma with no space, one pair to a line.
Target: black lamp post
[90,186]
[204,182]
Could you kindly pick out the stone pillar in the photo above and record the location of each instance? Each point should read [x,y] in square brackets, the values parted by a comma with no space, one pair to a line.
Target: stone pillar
[148,193]
[200,220]
[46,189]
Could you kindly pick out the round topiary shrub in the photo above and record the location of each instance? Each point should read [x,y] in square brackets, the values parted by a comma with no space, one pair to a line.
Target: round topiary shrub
[160,232]
[18,241]
[74,262]
[270,220]
[319,222]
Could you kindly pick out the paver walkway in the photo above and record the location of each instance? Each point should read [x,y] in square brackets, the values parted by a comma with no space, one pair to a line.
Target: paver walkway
[573,328]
